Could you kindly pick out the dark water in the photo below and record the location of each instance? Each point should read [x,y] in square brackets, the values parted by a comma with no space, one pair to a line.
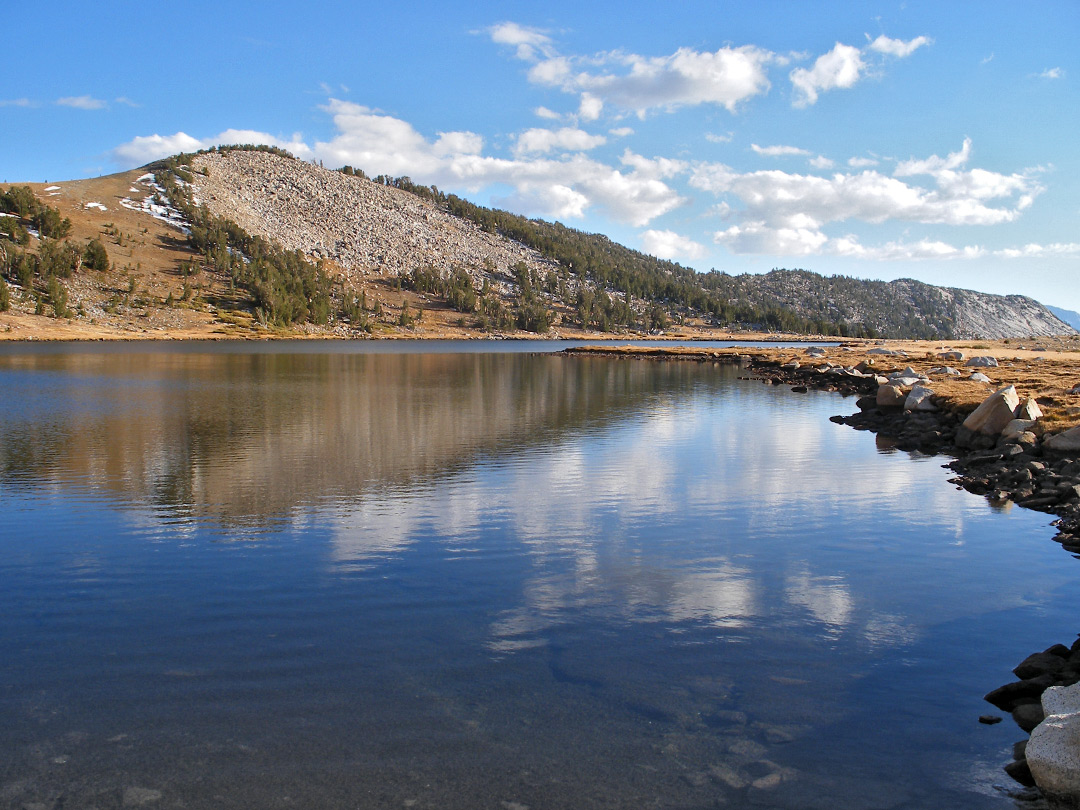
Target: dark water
[490,580]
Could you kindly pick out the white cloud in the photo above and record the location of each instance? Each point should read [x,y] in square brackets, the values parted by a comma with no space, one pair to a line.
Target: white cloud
[670,245]
[897,47]
[127,102]
[839,68]
[147,148]
[566,139]
[821,162]
[785,213]
[82,102]
[545,113]
[778,151]
[1040,251]
[713,137]
[620,132]
[530,43]
[458,143]
[725,77]
[382,144]
[934,165]
[1052,73]
[590,107]
[17,102]
[861,162]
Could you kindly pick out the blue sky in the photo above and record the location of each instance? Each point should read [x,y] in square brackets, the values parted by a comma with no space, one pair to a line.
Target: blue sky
[881,140]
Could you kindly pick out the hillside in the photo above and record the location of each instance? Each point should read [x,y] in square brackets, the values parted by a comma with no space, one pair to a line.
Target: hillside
[245,241]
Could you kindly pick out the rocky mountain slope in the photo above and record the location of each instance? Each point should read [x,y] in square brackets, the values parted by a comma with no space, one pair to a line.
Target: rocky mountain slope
[249,240]
[369,227]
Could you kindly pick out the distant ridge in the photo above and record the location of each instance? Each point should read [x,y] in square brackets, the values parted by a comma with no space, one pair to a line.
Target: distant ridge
[1067,316]
[396,225]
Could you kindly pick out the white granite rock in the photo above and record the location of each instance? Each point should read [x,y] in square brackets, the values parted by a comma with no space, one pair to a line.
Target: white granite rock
[994,413]
[1016,427]
[1061,700]
[1064,441]
[1029,409]
[891,396]
[984,361]
[919,399]
[953,356]
[1053,752]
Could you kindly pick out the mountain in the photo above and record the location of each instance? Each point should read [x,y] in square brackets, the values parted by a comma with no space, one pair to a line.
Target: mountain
[244,239]
[1066,315]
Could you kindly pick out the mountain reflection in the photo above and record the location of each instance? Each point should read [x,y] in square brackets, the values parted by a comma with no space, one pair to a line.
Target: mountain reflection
[247,439]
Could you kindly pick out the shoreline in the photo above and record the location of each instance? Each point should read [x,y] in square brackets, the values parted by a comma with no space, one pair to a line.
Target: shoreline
[1019,468]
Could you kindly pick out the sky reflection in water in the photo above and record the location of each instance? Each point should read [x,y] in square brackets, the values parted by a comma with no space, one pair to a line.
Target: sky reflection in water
[471,580]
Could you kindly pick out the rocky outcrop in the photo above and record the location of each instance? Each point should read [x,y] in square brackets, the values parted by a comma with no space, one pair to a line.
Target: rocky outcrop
[363,226]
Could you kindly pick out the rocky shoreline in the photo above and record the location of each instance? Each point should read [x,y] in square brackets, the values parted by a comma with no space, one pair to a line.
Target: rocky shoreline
[1000,449]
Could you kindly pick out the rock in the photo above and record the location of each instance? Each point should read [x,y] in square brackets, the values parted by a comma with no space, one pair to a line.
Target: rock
[984,361]
[1016,427]
[882,351]
[1066,441]
[791,365]
[866,366]
[799,389]
[891,396]
[951,356]
[1039,664]
[979,377]
[906,382]
[866,403]
[944,371]
[919,399]
[1010,695]
[989,719]
[1028,715]
[1029,409]
[1019,770]
[994,413]
[1053,755]
[1061,699]
[814,351]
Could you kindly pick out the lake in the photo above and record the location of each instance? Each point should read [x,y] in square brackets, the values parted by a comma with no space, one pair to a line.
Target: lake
[390,575]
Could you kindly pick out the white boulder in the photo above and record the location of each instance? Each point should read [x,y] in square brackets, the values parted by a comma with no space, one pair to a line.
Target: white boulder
[951,355]
[1067,440]
[1016,427]
[891,396]
[995,412]
[984,361]
[1029,409]
[919,399]
[1053,752]
[979,377]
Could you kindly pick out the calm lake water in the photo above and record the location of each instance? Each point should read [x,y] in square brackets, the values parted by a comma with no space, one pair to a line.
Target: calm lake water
[249,577]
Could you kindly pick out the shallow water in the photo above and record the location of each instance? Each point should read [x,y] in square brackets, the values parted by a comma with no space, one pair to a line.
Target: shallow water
[350,579]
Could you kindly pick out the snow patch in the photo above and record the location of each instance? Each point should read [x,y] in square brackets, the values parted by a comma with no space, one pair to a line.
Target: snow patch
[160,212]
[52,188]
[95,205]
